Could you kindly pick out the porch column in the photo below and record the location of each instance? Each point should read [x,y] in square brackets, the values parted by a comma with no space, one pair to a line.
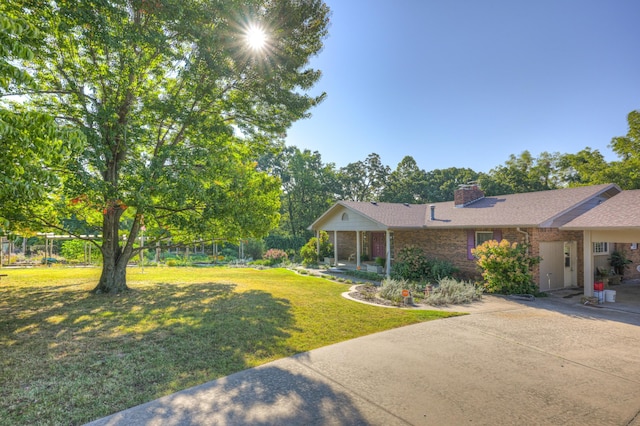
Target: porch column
[588,263]
[335,248]
[318,245]
[388,256]
[358,250]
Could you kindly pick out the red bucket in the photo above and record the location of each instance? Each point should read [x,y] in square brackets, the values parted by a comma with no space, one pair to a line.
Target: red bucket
[598,286]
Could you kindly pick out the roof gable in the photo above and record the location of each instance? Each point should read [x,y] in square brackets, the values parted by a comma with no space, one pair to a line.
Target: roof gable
[618,213]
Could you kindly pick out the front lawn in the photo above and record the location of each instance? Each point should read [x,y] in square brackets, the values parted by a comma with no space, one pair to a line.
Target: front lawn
[69,357]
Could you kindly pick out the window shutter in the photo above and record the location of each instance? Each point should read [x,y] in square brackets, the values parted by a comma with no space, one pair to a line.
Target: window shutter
[497,235]
[471,242]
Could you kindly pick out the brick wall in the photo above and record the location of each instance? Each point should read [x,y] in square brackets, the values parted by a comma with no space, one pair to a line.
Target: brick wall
[451,245]
[446,244]
[346,243]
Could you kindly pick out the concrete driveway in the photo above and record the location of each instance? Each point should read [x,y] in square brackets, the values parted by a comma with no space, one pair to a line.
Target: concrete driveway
[546,362]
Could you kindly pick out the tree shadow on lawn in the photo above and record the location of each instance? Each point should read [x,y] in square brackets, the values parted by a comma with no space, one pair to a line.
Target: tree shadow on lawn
[65,354]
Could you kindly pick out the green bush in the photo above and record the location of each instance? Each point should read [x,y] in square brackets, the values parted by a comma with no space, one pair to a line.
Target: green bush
[412,265]
[450,291]
[440,269]
[506,268]
[309,253]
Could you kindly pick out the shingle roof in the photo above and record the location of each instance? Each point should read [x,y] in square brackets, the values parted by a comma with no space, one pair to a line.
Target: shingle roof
[530,209]
[392,215]
[618,212]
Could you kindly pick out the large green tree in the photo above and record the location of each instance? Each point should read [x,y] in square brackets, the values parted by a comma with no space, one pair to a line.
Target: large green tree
[363,180]
[442,183]
[406,184]
[586,167]
[523,173]
[626,171]
[308,188]
[176,102]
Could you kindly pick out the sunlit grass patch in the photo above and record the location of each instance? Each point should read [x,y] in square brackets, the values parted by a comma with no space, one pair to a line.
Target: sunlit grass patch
[68,356]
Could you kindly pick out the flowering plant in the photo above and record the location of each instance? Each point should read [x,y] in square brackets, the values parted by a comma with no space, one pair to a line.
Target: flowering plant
[275,256]
[506,267]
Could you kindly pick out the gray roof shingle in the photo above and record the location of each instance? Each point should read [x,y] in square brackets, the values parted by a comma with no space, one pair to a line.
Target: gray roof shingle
[532,209]
[617,213]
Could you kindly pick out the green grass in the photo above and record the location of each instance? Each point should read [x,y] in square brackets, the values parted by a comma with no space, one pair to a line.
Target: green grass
[69,357]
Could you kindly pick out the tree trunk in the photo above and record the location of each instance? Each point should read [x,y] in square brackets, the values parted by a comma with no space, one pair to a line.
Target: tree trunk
[115,253]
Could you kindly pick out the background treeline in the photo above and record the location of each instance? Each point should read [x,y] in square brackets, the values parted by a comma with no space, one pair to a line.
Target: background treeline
[310,186]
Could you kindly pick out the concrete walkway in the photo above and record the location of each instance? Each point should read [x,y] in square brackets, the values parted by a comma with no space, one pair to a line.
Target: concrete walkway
[546,362]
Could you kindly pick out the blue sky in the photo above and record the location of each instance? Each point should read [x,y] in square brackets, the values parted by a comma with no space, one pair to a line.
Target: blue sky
[466,83]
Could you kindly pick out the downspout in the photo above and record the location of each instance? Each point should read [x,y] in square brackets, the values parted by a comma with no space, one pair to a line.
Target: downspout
[526,237]
[388,254]
[358,250]
[335,248]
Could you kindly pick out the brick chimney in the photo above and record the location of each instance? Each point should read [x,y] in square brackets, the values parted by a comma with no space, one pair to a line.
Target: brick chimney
[467,194]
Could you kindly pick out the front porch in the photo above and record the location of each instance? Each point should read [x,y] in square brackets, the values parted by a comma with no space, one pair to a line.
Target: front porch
[369,251]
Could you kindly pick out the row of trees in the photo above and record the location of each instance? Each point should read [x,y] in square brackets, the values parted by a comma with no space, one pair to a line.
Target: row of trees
[310,187]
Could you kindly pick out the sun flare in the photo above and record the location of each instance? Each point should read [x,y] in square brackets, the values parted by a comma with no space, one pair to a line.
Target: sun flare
[256,37]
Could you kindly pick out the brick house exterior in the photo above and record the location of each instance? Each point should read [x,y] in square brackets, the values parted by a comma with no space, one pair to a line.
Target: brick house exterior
[449,230]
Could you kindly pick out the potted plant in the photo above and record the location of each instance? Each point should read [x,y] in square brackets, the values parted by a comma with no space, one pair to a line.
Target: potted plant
[618,263]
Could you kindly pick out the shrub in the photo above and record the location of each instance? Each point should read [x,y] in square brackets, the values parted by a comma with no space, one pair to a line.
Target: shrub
[392,289]
[253,248]
[309,251]
[440,269]
[454,292]
[506,267]
[275,256]
[410,265]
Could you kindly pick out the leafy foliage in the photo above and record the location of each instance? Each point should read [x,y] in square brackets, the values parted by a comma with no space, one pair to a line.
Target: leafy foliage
[309,252]
[275,256]
[619,262]
[34,147]
[506,267]
[412,265]
[176,109]
[450,291]
[391,289]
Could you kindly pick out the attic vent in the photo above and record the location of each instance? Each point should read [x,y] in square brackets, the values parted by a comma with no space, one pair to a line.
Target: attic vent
[345,217]
[374,203]
[406,204]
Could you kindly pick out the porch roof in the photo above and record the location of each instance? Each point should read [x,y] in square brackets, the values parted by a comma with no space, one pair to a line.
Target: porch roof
[617,213]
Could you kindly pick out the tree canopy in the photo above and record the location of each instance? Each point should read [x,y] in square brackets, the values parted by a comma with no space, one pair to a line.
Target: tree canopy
[176,107]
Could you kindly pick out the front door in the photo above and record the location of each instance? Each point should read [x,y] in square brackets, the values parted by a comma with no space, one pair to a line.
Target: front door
[552,265]
[378,245]
[570,260]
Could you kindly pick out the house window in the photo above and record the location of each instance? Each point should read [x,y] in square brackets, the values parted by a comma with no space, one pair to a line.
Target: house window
[600,248]
[477,238]
[345,217]
[482,237]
